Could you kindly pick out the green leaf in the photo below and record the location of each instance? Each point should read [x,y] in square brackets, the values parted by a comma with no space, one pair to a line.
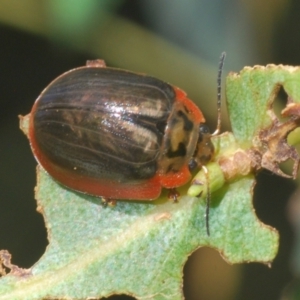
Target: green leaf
[133,248]
[251,93]
[139,248]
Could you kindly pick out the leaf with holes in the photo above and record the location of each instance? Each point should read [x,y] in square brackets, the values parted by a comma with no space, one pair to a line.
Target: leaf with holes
[138,248]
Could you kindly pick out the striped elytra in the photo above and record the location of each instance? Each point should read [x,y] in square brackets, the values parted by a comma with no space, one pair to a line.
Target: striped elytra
[117,134]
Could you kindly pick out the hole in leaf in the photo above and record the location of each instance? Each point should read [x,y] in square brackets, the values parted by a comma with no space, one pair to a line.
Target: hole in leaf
[208,276]
[3,270]
[23,231]
[293,140]
[280,102]
[287,166]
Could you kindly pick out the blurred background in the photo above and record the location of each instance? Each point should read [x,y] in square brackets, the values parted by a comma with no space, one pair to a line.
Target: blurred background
[179,42]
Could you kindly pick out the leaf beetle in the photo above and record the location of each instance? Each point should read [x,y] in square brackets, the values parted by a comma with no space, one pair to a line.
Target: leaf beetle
[117,134]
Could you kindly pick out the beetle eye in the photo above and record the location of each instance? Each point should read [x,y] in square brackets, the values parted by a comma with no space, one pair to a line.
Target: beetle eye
[192,164]
[204,129]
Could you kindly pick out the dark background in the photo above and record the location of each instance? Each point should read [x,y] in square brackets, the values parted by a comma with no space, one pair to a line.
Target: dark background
[177,41]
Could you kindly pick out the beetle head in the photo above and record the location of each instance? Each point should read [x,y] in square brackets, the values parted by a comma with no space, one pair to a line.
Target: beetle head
[204,149]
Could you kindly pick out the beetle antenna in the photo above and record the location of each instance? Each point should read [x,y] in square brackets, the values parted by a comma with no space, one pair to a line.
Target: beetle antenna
[217,131]
[207,200]
[219,85]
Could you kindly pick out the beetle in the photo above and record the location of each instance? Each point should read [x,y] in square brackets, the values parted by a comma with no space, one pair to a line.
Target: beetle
[117,134]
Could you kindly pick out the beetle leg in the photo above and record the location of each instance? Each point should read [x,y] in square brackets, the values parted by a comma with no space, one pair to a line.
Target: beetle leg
[108,202]
[173,195]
